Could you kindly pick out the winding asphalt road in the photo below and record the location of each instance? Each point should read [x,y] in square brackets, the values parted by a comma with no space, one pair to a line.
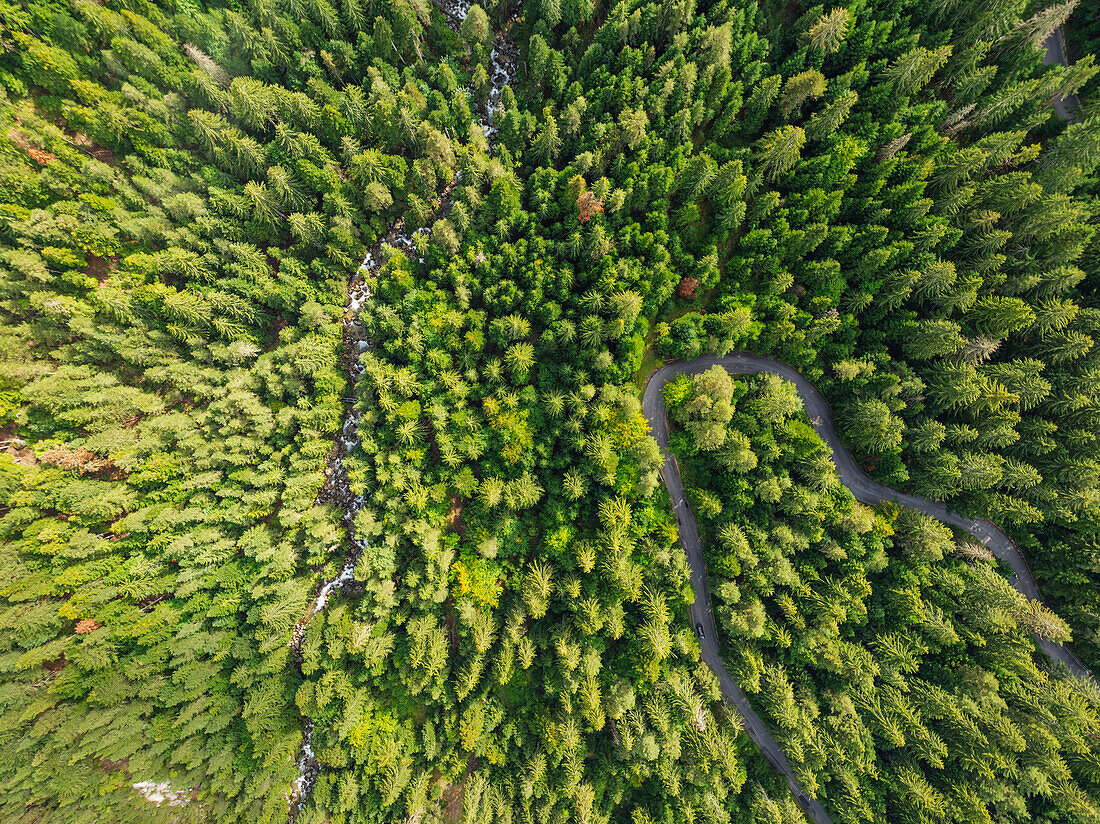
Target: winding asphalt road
[864,490]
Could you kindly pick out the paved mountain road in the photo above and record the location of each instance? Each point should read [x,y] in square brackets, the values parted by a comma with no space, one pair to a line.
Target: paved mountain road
[862,487]
[864,490]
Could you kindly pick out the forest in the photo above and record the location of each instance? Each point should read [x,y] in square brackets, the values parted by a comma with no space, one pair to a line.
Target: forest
[327,489]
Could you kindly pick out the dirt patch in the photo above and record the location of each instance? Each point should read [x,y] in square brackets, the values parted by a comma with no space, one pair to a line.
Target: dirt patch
[56,665]
[38,155]
[454,517]
[102,268]
[18,449]
[90,147]
[146,604]
[452,799]
[23,457]
[452,627]
[455,793]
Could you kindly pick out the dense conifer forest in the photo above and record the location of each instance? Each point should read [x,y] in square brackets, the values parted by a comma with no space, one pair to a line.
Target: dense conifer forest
[326,489]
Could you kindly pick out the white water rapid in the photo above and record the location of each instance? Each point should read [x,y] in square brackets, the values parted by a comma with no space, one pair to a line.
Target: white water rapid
[337,488]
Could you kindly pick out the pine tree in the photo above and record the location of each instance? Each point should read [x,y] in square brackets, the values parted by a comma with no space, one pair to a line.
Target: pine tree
[759,103]
[778,151]
[799,88]
[825,123]
[633,123]
[915,68]
[475,27]
[1071,156]
[1033,32]
[537,587]
[829,31]
[548,143]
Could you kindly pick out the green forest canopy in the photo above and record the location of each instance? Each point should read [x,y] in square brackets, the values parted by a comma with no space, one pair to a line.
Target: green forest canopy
[878,193]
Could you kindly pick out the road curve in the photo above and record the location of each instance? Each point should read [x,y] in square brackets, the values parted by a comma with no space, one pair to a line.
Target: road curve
[864,490]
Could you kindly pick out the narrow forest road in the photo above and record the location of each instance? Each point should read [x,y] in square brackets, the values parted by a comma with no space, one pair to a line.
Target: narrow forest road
[864,490]
[1054,51]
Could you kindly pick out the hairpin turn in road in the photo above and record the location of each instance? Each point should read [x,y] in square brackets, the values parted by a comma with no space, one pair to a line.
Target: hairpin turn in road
[863,488]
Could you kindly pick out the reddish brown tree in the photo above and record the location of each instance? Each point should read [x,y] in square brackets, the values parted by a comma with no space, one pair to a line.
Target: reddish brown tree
[588,205]
[87,625]
[687,287]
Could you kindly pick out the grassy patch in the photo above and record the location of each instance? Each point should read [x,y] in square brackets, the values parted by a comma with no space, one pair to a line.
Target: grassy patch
[650,362]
